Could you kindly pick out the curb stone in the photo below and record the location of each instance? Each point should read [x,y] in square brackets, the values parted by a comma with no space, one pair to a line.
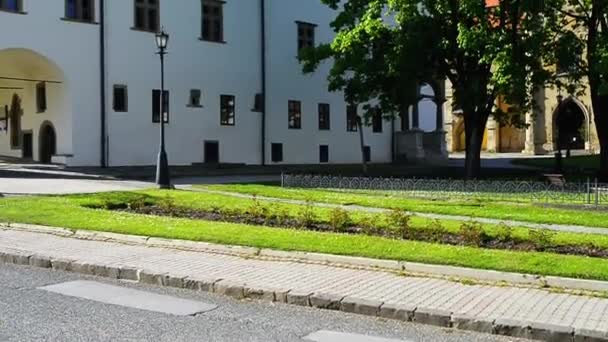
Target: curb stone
[397,311]
[551,332]
[435,317]
[361,306]
[466,322]
[506,327]
[298,298]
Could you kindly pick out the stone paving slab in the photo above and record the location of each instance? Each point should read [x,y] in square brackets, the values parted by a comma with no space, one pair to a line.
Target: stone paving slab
[553,227]
[522,312]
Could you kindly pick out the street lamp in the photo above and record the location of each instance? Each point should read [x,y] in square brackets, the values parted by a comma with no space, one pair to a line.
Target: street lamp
[163,179]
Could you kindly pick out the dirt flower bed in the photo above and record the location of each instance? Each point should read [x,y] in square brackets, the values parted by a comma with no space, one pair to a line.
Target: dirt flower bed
[394,225]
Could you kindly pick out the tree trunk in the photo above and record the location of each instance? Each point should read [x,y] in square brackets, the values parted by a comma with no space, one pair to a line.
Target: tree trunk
[362,142]
[474,126]
[600,109]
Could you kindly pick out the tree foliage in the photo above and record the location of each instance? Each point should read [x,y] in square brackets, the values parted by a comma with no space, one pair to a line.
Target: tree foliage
[383,50]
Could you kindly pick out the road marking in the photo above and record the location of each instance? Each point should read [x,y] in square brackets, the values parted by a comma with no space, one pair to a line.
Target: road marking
[131,298]
[334,336]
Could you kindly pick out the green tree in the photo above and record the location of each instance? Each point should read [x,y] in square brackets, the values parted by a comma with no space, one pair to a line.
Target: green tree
[383,49]
[582,53]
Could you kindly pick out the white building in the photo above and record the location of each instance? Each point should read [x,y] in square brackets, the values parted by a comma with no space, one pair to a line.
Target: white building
[77,81]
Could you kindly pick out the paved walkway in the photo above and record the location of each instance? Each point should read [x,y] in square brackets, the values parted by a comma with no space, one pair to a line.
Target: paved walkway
[554,227]
[523,312]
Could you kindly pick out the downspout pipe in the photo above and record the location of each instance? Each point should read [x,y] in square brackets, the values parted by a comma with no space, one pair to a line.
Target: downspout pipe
[263,70]
[102,83]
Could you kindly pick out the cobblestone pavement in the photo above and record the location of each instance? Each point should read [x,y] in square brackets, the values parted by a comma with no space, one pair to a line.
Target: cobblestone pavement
[522,312]
[554,227]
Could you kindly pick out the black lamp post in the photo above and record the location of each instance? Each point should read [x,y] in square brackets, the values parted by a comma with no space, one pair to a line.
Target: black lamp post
[163,179]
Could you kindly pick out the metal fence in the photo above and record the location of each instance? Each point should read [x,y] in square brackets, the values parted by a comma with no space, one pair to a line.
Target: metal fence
[590,192]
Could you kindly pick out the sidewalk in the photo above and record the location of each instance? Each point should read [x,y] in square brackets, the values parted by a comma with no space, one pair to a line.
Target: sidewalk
[519,312]
[553,227]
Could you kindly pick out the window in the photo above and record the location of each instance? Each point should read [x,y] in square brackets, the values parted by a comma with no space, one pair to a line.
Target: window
[306,35]
[195,98]
[120,102]
[4,119]
[324,123]
[276,153]
[213,20]
[227,110]
[377,121]
[295,115]
[81,10]
[351,118]
[324,154]
[147,15]
[258,103]
[10,5]
[156,106]
[41,97]
[367,153]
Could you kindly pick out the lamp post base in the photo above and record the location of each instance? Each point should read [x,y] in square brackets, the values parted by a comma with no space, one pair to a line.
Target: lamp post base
[163,179]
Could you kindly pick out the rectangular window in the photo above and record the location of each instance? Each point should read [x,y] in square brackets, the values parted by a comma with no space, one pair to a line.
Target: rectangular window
[351,118]
[306,35]
[147,15]
[324,154]
[227,114]
[324,114]
[195,98]
[11,5]
[213,20]
[120,102]
[276,153]
[41,97]
[258,103]
[295,115]
[156,105]
[81,10]
[377,122]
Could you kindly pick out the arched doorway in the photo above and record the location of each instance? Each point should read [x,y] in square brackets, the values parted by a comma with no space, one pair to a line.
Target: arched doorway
[570,126]
[14,125]
[47,142]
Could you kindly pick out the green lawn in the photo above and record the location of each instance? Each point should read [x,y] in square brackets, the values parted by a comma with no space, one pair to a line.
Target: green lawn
[474,208]
[69,212]
[574,162]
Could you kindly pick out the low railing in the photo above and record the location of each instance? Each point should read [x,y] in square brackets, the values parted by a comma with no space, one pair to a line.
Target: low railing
[590,192]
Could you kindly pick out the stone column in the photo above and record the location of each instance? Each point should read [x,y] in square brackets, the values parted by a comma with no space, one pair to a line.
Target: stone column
[440,132]
[493,135]
[530,146]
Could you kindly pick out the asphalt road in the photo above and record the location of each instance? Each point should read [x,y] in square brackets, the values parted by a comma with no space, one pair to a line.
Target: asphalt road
[31,314]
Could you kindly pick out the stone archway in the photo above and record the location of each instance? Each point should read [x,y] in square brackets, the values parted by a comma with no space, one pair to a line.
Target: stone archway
[47,142]
[570,125]
[34,88]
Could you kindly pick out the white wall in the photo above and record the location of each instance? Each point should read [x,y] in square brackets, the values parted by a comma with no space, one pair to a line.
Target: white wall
[286,82]
[233,68]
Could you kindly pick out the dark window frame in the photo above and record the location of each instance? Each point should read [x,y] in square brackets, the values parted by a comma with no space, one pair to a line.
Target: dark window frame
[4,6]
[41,98]
[323,154]
[212,24]
[276,152]
[306,35]
[227,110]
[324,116]
[125,94]
[156,106]
[195,98]
[351,118]
[377,122]
[146,6]
[367,153]
[294,116]
[80,14]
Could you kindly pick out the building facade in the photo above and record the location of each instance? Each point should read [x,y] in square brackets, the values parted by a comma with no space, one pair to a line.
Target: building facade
[79,85]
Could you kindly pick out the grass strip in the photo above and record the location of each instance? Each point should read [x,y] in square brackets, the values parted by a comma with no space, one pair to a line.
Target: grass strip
[477,208]
[67,212]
